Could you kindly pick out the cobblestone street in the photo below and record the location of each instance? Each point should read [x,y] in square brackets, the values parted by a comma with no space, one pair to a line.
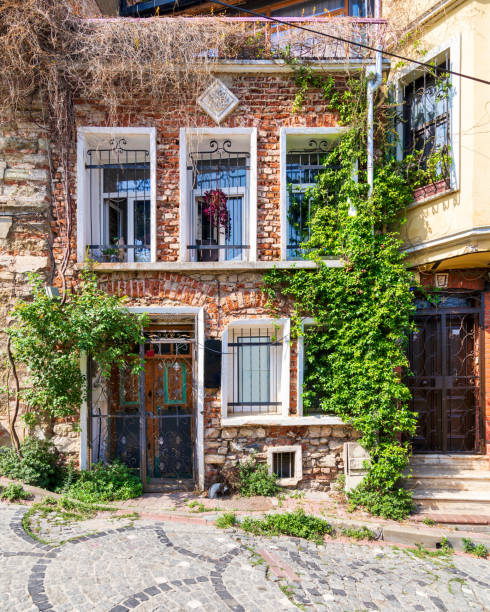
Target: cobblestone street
[144,565]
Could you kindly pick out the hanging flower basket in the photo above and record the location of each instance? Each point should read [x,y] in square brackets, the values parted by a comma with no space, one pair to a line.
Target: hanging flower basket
[215,209]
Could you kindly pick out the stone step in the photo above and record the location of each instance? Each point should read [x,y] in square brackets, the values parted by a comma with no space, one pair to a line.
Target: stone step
[474,481]
[466,462]
[433,471]
[461,507]
[449,495]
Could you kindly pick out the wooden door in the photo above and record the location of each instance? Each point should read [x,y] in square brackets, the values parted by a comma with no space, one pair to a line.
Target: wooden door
[169,417]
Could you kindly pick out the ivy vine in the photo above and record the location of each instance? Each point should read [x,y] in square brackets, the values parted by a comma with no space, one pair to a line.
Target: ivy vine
[356,353]
[48,336]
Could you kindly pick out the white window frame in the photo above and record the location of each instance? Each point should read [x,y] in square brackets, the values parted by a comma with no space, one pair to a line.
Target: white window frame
[283,327]
[82,188]
[410,73]
[130,200]
[187,134]
[298,463]
[320,132]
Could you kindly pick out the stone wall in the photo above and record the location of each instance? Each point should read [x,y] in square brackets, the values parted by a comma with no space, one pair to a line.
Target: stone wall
[322,449]
[24,224]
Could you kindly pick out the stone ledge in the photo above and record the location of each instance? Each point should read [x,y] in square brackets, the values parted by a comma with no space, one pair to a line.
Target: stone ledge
[209,266]
[281,421]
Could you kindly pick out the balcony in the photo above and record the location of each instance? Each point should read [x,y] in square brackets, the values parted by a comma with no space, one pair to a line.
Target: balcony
[224,39]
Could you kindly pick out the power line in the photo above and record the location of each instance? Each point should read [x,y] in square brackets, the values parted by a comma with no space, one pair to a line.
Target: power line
[350,42]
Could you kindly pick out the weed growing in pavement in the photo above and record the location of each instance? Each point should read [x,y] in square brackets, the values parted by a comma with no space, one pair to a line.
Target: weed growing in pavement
[196,506]
[14,492]
[288,590]
[60,511]
[428,521]
[473,548]
[226,520]
[358,534]
[297,524]
[421,552]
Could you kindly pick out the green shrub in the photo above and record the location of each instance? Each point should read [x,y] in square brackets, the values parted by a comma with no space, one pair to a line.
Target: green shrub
[226,520]
[254,479]
[394,504]
[38,466]
[105,483]
[479,550]
[14,492]
[297,524]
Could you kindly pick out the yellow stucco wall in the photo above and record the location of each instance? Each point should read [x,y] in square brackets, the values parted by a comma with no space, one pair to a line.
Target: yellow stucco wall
[445,226]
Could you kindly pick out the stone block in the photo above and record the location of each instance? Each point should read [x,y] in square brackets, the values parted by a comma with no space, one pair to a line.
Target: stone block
[338,432]
[314,432]
[29,263]
[328,461]
[5,225]
[22,174]
[218,459]
[229,433]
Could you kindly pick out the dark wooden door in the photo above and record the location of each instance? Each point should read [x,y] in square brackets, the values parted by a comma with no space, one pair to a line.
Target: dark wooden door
[445,385]
[169,417]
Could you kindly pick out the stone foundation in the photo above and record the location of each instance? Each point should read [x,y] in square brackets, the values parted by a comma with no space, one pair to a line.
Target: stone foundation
[322,449]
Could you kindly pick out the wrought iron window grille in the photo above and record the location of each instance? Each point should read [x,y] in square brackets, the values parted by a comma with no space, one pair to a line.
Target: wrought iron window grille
[219,203]
[283,464]
[302,169]
[119,202]
[426,119]
[254,355]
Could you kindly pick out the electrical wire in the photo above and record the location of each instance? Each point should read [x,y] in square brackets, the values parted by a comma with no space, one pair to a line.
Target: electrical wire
[349,42]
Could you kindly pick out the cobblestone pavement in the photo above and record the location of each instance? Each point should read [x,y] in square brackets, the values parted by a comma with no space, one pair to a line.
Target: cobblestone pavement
[172,566]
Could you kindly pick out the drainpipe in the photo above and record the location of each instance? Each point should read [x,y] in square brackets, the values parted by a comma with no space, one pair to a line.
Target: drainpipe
[375,77]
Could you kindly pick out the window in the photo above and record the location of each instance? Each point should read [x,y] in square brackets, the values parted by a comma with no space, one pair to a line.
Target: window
[426,119]
[286,463]
[309,356]
[352,8]
[219,202]
[255,371]
[302,169]
[116,197]
[303,157]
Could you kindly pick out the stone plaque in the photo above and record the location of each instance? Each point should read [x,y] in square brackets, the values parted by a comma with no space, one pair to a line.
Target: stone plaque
[217,101]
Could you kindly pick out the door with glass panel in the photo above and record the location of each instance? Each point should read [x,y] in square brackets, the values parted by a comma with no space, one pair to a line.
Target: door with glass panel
[169,405]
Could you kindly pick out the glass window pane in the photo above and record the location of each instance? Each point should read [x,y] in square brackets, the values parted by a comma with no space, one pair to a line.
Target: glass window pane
[126,179]
[308,9]
[142,229]
[254,369]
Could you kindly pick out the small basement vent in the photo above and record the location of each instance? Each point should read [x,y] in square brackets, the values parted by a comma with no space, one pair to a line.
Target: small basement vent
[286,463]
[283,464]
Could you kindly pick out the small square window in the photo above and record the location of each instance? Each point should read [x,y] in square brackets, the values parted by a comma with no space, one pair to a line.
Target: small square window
[283,464]
[286,463]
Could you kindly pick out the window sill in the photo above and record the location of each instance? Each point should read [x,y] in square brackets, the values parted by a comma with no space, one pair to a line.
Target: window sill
[209,266]
[427,193]
[281,421]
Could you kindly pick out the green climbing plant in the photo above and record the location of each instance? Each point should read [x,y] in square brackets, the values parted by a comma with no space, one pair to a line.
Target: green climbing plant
[49,335]
[362,310]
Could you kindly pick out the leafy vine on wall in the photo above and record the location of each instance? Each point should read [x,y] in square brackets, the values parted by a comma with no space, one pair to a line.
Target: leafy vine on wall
[362,310]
